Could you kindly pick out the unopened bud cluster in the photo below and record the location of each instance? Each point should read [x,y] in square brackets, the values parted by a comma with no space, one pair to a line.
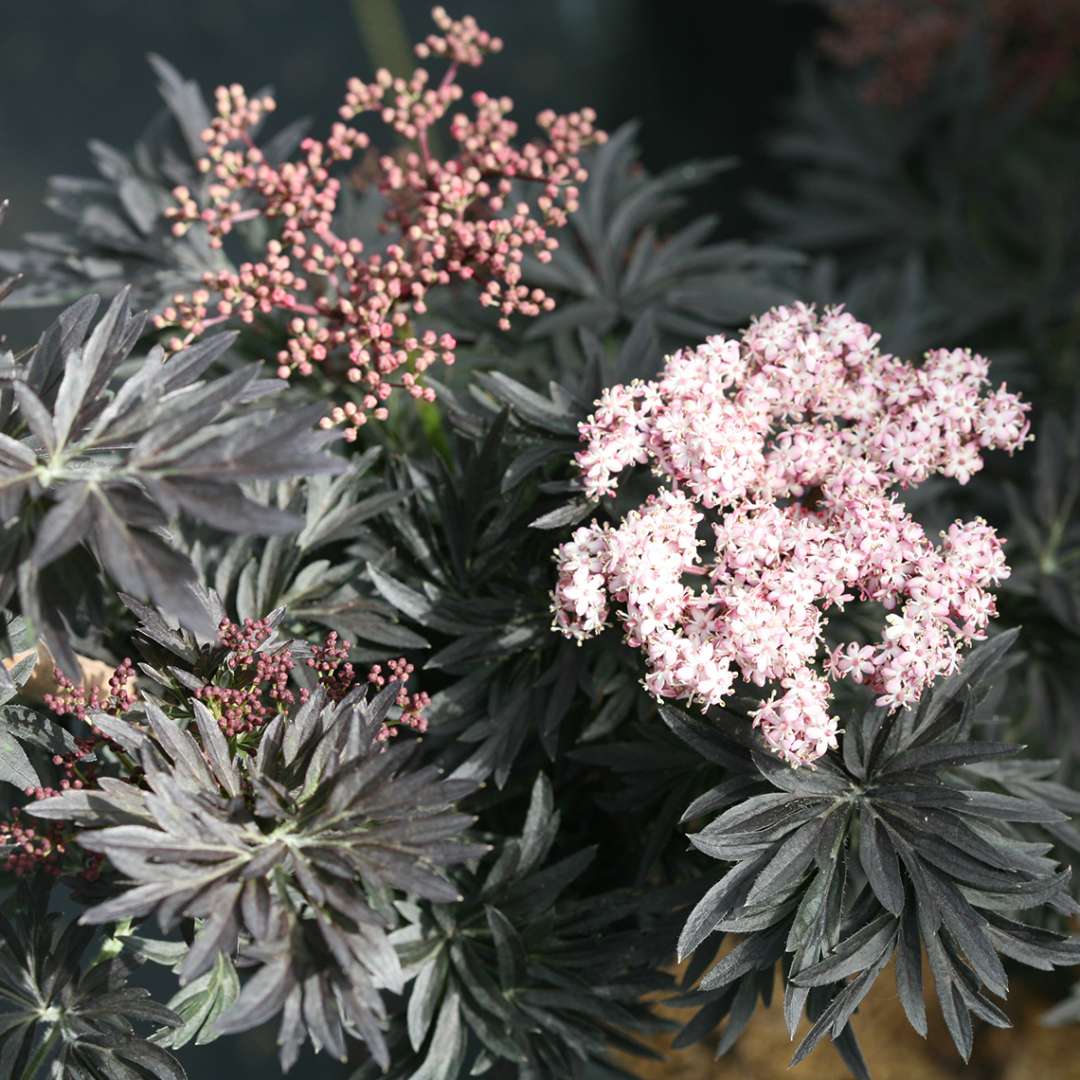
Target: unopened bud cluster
[258,686]
[471,216]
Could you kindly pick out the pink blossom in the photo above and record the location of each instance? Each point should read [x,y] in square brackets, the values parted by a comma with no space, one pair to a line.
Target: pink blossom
[788,444]
[471,216]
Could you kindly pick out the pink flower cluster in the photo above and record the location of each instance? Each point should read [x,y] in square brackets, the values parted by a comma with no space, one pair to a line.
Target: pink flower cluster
[78,701]
[260,671]
[28,846]
[337,676]
[785,448]
[31,846]
[471,216]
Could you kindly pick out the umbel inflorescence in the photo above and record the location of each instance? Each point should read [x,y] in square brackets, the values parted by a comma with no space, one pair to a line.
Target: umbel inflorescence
[469,216]
[786,448]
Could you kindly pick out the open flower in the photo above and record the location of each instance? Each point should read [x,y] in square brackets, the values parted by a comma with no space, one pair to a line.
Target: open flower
[788,443]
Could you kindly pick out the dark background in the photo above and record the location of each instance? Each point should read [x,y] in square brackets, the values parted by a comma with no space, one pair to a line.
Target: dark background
[705,79]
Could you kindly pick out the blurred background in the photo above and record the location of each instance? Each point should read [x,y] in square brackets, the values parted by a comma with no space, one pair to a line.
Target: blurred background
[925,154]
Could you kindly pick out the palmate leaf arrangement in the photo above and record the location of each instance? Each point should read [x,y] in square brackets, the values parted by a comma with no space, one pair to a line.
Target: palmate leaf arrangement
[491,873]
